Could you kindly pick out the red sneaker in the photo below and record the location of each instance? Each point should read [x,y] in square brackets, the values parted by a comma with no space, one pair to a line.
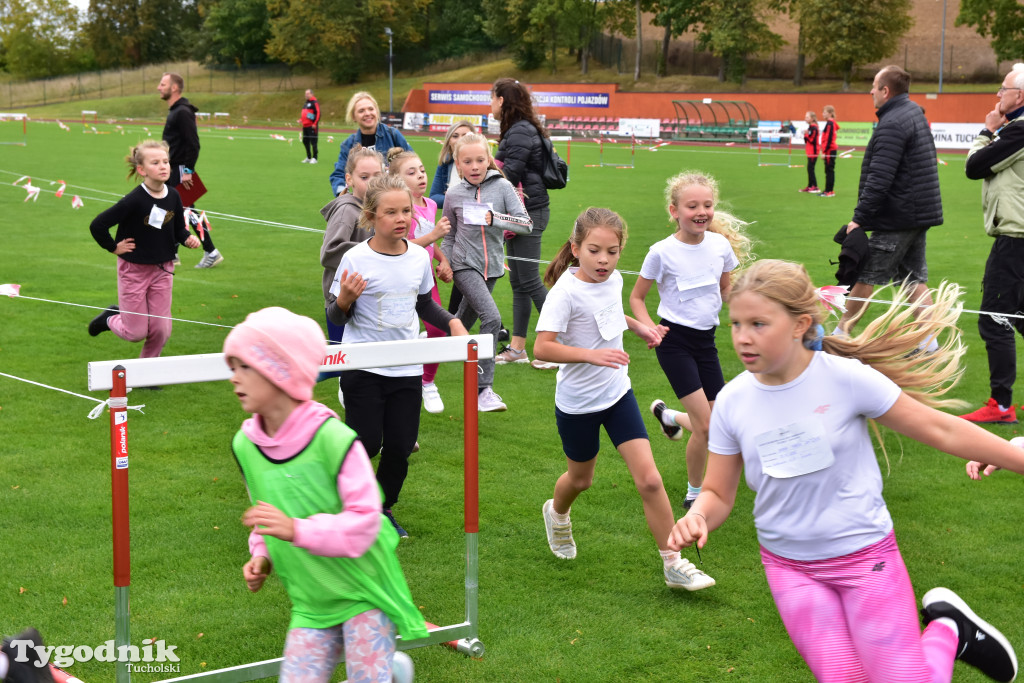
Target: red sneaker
[991,414]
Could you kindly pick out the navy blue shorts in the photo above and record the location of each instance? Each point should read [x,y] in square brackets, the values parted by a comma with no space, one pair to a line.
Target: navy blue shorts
[581,434]
[689,359]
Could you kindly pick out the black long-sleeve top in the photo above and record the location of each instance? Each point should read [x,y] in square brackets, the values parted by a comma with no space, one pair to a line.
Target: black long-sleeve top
[131,214]
[181,134]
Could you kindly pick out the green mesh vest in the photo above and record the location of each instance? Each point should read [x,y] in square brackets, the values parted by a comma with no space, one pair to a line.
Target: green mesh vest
[326,591]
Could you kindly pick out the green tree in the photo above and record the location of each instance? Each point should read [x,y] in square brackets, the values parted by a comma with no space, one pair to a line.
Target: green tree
[453,28]
[1000,20]
[676,17]
[233,32]
[39,38]
[134,32]
[508,23]
[734,30]
[842,34]
[346,37]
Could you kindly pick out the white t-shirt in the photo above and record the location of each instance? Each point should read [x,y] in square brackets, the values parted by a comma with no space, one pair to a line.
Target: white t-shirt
[386,310]
[586,315]
[689,277]
[825,499]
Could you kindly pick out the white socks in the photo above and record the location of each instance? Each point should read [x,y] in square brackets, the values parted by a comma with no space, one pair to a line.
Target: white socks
[669,557]
[668,417]
[946,621]
[561,519]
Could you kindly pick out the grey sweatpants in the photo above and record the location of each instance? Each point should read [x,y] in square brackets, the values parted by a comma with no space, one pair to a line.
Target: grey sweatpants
[477,301]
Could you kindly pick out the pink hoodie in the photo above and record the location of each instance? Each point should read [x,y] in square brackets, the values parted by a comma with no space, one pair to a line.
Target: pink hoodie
[349,533]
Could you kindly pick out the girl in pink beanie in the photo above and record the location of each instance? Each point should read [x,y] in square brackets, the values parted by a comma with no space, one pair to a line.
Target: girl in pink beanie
[316,516]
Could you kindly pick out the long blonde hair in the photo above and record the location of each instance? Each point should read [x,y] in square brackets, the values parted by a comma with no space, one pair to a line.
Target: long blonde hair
[592,217]
[725,224]
[890,343]
[134,158]
[477,139]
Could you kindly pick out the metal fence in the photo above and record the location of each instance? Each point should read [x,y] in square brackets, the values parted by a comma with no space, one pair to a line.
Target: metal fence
[96,85]
[961,62]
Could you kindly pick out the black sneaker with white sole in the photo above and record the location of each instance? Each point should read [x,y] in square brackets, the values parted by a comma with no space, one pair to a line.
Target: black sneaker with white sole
[23,662]
[675,432]
[981,644]
[99,324]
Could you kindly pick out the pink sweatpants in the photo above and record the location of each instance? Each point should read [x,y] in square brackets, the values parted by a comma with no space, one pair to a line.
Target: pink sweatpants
[143,288]
[854,618]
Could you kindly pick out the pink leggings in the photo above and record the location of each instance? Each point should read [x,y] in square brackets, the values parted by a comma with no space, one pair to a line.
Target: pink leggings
[312,654]
[430,369]
[854,618]
[143,288]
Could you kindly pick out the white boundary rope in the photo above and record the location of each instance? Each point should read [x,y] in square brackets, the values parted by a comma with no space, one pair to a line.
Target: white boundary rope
[94,413]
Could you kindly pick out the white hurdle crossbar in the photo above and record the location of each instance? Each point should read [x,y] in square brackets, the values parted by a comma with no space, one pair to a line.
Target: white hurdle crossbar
[117,376]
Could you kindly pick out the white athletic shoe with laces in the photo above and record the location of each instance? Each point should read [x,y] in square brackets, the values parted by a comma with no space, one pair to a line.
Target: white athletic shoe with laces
[684,574]
[559,535]
[432,402]
[509,355]
[489,402]
[402,669]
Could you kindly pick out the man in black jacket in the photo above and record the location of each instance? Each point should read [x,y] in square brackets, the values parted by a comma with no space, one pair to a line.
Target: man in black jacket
[898,198]
[182,137]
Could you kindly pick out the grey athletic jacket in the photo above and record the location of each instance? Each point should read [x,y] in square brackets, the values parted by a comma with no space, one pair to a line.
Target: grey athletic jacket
[479,247]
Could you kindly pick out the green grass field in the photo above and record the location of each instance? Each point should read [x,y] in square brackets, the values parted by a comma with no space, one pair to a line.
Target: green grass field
[607,616]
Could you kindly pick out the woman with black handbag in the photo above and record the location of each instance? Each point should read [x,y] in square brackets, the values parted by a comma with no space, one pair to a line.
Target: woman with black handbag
[522,155]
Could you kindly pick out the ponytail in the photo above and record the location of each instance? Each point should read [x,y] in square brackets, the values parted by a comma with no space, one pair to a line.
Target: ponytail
[562,261]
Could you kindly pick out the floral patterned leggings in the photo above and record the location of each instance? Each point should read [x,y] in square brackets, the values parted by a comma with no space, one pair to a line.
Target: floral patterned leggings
[311,654]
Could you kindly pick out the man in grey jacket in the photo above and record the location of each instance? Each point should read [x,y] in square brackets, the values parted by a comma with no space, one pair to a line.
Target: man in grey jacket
[997,159]
[898,197]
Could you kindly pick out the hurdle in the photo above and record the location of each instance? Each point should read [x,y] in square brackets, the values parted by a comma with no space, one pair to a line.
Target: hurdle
[567,139]
[600,153]
[222,115]
[117,376]
[4,117]
[769,141]
[85,114]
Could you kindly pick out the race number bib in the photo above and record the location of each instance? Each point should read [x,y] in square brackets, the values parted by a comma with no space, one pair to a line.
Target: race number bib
[611,321]
[794,450]
[156,217]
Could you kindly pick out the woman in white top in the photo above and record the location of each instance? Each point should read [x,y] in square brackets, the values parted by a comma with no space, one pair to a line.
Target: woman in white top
[581,325]
[795,423]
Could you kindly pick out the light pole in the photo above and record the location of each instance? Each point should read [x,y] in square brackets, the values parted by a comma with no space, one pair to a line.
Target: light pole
[942,45]
[391,79]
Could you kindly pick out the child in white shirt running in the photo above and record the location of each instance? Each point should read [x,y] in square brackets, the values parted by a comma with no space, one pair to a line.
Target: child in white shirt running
[692,270]
[795,425]
[581,325]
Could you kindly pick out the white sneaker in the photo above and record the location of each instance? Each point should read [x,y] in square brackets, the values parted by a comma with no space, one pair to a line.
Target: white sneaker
[559,535]
[306,161]
[432,399]
[341,397]
[402,670]
[684,574]
[544,365]
[312,161]
[210,260]
[489,402]
[510,355]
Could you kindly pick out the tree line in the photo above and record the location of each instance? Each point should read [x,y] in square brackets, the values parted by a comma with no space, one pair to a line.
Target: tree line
[346,38]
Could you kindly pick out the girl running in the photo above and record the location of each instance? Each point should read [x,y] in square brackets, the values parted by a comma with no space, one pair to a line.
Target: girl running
[829,146]
[581,325]
[381,291]
[150,223]
[343,232]
[480,207]
[811,135]
[795,424]
[445,176]
[316,512]
[692,270]
[424,232]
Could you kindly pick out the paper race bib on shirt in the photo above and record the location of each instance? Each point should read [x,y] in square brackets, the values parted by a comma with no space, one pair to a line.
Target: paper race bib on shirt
[693,286]
[157,217]
[611,321]
[794,450]
[396,310]
[474,213]
[423,228]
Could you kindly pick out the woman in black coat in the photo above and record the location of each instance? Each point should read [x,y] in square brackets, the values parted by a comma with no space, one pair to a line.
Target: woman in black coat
[521,152]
